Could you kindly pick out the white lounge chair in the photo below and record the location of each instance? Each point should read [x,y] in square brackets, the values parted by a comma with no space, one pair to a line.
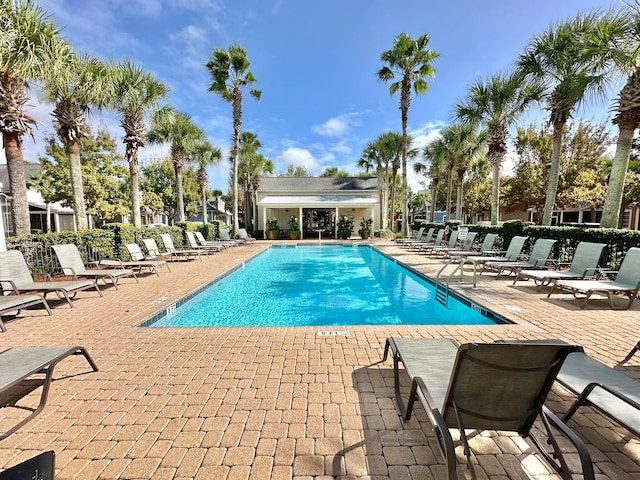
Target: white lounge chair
[206,249]
[243,235]
[179,253]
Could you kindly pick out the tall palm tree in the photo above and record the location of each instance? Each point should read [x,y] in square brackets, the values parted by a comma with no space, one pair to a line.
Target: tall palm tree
[557,59]
[230,74]
[392,145]
[259,166]
[76,85]
[375,157]
[435,164]
[497,103]
[616,41]
[28,43]
[205,155]
[249,146]
[408,66]
[473,150]
[175,128]
[136,92]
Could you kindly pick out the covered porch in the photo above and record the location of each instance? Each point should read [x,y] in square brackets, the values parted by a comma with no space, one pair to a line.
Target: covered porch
[317,215]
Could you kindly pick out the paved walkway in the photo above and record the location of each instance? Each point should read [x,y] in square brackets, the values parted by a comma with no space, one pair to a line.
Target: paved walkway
[281,403]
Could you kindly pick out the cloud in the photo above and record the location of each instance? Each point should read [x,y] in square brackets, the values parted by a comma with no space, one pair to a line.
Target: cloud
[298,157]
[334,127]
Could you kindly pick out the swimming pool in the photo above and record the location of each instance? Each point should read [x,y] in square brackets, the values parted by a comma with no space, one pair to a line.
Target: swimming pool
[328,285]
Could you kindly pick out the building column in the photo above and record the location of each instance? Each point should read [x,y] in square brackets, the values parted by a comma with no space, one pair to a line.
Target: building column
[335,225]
[300,226]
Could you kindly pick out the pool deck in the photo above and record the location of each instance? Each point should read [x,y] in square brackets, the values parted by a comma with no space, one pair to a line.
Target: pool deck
[283,403]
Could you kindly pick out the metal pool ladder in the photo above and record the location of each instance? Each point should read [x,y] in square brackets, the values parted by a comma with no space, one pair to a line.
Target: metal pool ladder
[442,287]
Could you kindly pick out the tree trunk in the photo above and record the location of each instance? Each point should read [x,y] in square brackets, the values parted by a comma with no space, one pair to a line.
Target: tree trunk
[381,185]
[48,221]
[134,174]
[394,176]
[237,130]
[180,192]
[495,189]
[247,201]
[203,194]
[613,200]
[17,184]
[459,195]
[79,207]
[434,197]
[254,220]
[449,192]
[405,189]
[554,173]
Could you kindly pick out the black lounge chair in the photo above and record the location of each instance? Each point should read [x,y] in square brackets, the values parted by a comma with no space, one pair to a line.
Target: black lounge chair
[25,369]
[491,386]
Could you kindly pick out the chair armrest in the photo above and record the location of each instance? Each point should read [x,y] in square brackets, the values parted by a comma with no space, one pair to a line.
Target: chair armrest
[13,285]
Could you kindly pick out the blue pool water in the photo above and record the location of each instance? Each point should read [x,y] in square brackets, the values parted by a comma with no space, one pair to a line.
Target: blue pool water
[319,285]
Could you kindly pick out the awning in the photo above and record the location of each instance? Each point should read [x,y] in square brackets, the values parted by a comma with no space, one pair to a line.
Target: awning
[316,201]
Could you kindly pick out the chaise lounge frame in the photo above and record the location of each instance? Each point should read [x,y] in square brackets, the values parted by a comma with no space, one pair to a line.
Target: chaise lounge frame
[25,369]
[451,373]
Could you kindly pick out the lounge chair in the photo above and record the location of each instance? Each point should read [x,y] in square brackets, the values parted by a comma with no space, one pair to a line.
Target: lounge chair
[584,264]
[466,246]
[72,264]
[491,386]
[138,261]
[438,249]
[627,282]
[179,253]
[537,259]
[244,235]
[21,373]
[206,249]
[15,276]
[10,303]
[423,246]
[224,234]
[600,386]
[203,241]
[425,238]
[418,237]
[486,248]
[512,253]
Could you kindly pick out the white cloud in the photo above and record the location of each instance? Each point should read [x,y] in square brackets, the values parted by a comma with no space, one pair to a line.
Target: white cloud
[334,127]
[298,157]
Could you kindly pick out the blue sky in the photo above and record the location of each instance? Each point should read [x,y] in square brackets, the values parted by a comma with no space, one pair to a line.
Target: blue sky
[315,61]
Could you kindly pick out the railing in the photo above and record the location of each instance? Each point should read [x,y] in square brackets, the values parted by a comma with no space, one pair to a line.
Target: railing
[442,287]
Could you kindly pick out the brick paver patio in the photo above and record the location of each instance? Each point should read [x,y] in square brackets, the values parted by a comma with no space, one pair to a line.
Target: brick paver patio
[282,403]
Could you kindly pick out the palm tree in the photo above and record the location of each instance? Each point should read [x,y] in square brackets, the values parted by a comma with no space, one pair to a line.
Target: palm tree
[249,145]
[374,156]
[408,65]
[136,92]
[205,155]
[76,85]
[392,146]
[230,73]
[436,154]
[175,128]
[557,59]
[26,48]
[497,103]
[259,166]
[616,40]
